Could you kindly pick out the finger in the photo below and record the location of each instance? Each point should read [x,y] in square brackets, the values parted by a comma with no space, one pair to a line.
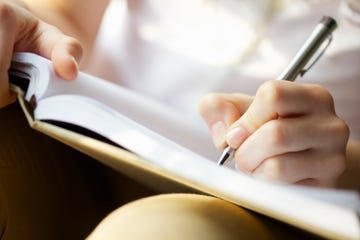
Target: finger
[279,99]
[273,138]
[310,167]
[226,107]
[219,111]
[64,51]
[284,135]
[65,56]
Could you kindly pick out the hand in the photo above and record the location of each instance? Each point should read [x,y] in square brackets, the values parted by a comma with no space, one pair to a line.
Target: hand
[21,31]
[288,132]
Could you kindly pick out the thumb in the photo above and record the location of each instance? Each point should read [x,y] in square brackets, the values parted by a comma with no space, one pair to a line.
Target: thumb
[65,56]
[64,51]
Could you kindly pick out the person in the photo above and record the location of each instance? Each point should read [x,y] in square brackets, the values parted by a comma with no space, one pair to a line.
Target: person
[213,46]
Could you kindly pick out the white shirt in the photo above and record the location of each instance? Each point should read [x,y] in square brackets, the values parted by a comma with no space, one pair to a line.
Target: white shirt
[178,50]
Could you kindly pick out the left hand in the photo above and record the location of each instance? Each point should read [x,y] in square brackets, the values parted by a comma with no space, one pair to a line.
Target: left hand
[288,132]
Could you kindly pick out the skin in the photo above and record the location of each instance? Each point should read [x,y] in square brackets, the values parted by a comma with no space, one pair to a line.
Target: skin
[287,132]
[34,26]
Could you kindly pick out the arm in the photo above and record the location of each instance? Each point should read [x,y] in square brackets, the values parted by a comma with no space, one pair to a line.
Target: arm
[288,132]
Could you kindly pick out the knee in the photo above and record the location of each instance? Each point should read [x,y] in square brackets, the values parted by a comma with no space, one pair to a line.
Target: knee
[179,216]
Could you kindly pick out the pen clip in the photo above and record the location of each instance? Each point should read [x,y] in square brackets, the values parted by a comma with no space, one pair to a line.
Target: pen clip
[329,39]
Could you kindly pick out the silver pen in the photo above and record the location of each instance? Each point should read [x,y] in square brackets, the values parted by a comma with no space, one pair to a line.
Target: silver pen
[323,31]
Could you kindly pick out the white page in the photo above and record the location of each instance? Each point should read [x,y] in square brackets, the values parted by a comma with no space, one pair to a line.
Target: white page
[147,111]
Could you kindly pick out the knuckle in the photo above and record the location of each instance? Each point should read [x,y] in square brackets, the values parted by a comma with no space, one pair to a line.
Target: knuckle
[342,128]
[321,91]
[339,129]
[322,95]
[271,91]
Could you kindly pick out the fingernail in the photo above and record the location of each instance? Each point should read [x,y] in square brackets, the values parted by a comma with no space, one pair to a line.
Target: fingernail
[218,132]
[236,136]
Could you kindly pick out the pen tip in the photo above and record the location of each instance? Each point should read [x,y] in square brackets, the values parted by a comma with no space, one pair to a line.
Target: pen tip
[225,156]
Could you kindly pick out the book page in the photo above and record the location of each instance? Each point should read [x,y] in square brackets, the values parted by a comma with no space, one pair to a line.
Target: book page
[144,110]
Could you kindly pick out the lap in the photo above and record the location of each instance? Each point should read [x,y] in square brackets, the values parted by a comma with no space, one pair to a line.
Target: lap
[190,216]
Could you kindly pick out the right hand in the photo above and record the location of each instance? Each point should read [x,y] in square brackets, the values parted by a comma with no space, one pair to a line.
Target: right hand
[21,31]
[288,132]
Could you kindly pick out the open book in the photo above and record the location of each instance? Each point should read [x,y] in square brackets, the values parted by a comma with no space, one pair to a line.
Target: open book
[147,140]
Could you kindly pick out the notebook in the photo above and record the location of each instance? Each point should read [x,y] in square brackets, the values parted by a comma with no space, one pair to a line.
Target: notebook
[149,141]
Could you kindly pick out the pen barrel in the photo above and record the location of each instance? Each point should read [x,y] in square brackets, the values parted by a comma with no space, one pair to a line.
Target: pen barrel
[322,31]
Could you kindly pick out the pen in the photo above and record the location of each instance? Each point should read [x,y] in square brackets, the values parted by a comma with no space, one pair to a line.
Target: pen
[323,31]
